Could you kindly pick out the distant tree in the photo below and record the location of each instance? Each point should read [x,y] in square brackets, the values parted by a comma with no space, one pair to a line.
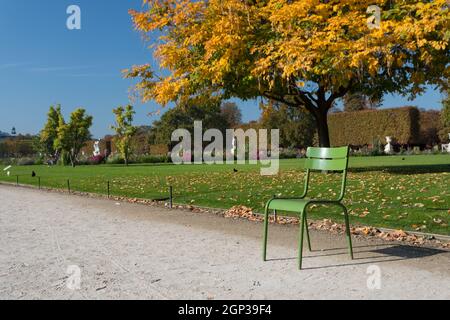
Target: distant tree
[445,118]
[232,114]
[252,124]
[124,130]
[73,135]
[13,131]
[17,147]
[38,146]
[358,101]
[354,102]
[49,133]
[140,141]
[61,142]
[183,117]
[297,126]
[3,149]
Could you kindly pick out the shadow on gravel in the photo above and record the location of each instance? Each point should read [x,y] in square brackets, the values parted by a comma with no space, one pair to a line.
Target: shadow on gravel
[409,252]
[386,254]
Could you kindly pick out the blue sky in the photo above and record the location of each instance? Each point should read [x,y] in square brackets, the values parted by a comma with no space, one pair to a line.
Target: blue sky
[43,63]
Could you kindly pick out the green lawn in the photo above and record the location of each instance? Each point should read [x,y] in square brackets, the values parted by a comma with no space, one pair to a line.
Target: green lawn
[402,192]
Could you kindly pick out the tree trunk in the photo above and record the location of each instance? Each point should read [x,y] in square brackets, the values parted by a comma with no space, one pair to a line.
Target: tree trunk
[322,129]
[72,159]
[126,155]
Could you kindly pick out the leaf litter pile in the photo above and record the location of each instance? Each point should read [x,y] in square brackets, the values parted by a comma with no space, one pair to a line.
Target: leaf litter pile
[328,225]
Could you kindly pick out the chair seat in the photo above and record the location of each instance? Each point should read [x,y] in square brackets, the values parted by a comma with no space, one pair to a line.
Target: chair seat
[293,205]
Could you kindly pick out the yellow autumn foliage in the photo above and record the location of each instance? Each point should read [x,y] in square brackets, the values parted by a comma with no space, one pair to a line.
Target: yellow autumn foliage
[266,48]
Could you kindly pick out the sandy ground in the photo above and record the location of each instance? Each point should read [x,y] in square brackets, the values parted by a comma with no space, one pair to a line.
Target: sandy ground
[132,251]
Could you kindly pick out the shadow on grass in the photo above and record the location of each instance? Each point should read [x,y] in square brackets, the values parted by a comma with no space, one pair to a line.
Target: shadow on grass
[438,209]
[409,169]
[386,254]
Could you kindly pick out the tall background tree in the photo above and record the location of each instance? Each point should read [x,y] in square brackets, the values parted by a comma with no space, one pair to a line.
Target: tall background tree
[49,133]
[74,135]
[445,118]
[124,130]
[358,101]
[302,53]
[183,117]
[232,114]
[296,125]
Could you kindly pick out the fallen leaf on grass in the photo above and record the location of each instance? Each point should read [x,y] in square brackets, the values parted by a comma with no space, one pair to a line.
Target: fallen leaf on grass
[365,213]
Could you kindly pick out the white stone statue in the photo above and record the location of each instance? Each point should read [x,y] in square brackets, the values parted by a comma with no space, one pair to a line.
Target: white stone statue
[8,173]
[234,147]
[389,149]
[446,147]
[96,148]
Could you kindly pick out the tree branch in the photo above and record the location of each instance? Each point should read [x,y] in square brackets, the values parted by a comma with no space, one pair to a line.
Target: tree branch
[268,95]
[321,96]
[336,95]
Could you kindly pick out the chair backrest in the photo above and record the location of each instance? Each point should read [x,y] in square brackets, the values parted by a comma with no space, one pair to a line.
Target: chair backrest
[327,159]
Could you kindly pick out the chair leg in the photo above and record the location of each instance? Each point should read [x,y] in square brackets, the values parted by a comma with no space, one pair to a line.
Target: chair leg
[347,231]
[300,240]
[266,229]
[307,231]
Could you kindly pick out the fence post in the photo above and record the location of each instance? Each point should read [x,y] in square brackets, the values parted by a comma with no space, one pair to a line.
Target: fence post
[39,183]
[108,190]
[17,180]
[170,197]
[68,185]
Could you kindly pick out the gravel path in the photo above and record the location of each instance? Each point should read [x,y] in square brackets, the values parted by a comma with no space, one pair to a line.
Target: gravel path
[132,251]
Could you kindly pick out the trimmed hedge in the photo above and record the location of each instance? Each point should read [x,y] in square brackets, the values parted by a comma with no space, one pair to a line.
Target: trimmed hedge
[430,126]
[364,127]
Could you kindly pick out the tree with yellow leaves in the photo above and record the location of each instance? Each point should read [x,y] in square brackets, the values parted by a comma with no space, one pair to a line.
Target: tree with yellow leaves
[302,53]
[124,130]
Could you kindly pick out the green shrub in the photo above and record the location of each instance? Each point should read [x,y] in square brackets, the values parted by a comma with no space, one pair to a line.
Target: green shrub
[377,149]
[116,159]
[26,162]
[152,159]
[7,161]
[288,154]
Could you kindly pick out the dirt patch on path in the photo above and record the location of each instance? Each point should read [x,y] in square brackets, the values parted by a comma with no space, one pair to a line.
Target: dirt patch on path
[132,251]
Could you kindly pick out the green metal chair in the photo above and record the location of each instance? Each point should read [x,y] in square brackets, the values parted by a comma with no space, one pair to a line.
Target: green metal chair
[318,159]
